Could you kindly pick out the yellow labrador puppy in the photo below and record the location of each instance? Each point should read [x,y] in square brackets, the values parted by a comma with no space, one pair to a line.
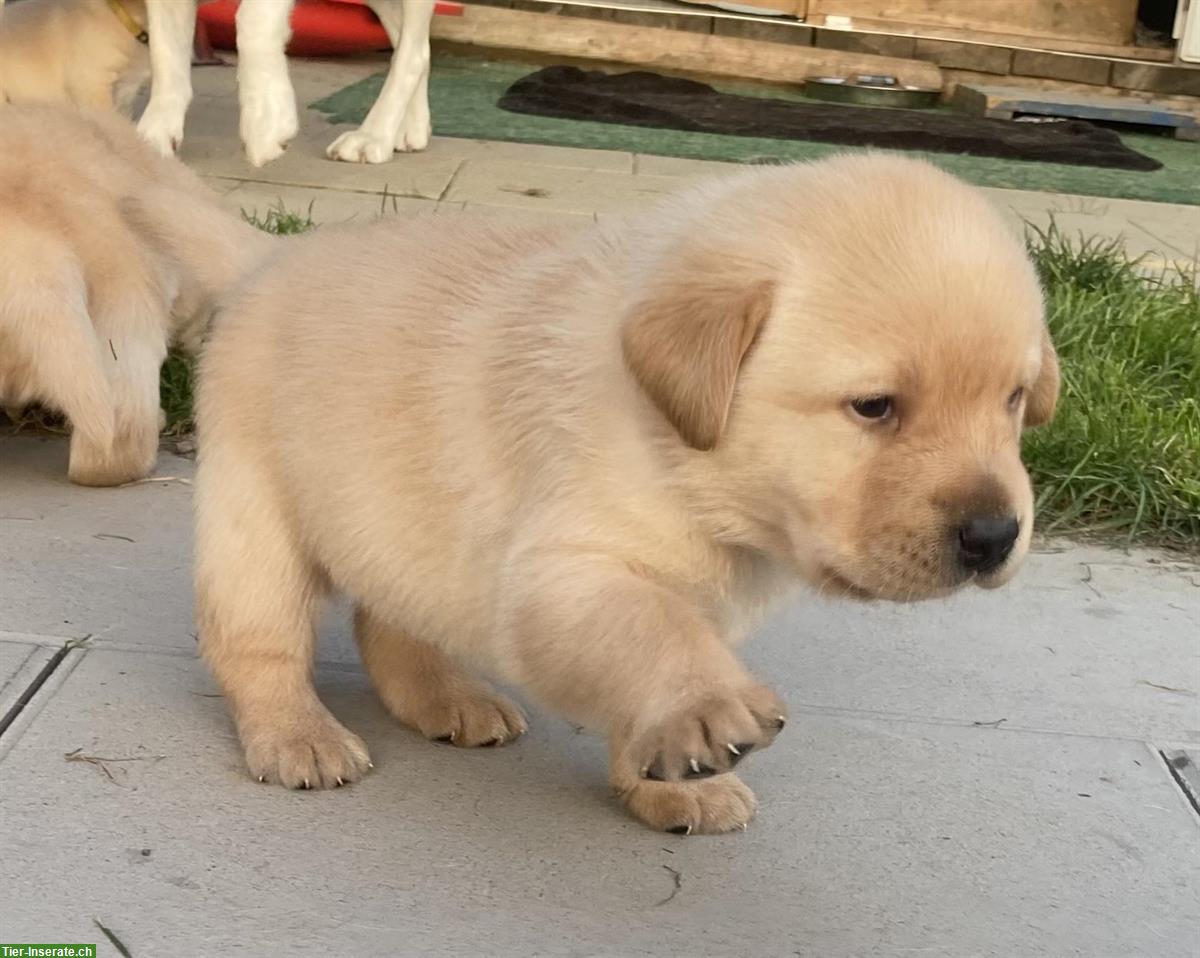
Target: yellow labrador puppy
[585,459]
[92,53]
[108,253]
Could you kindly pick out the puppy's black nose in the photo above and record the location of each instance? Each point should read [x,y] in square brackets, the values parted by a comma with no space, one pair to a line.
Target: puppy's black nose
[984,543]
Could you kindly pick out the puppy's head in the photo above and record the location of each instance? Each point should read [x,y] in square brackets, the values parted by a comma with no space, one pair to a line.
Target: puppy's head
[846,354]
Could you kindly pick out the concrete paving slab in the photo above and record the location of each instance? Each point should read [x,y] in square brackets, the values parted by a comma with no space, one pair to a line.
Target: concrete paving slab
[1163,231]
[1085,641]
[554,188]
[875,838]
[534,154]
[111,563]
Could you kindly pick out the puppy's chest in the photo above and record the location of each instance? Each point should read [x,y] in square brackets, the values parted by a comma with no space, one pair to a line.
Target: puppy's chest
[749,587]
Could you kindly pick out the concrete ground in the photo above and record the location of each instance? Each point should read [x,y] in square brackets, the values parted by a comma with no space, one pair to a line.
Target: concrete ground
[984,776]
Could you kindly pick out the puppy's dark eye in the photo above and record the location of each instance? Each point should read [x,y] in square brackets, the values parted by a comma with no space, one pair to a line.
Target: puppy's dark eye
[1015,397]
[875,407]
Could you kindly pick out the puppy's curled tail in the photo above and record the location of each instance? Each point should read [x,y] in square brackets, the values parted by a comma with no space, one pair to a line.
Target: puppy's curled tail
[206,248]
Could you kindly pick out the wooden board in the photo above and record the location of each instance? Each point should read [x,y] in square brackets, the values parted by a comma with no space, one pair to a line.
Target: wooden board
[1005,102]
[1090,21]
[668,49]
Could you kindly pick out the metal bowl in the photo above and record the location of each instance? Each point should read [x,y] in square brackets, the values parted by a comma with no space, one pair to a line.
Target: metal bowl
[871,91]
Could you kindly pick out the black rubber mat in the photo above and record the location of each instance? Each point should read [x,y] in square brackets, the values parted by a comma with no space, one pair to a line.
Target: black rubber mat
[646,99]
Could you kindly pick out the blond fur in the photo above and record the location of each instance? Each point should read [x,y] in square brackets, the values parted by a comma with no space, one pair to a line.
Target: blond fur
[108,253]
[584,460]
[71,51]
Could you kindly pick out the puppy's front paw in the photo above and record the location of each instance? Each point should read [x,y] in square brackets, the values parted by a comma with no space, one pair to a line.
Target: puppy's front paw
[708,807]
[306,750]
[708,735]
[361,146]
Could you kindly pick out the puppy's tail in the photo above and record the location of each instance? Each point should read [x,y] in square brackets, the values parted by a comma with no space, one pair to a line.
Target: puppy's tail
[209,248]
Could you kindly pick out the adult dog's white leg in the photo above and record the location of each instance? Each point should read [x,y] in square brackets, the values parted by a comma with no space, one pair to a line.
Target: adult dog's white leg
[171,25]
[268,105]
[400,117]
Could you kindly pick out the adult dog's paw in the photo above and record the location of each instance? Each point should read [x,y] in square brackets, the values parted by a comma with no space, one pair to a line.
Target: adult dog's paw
[361,146]
[161,125]
[268,122]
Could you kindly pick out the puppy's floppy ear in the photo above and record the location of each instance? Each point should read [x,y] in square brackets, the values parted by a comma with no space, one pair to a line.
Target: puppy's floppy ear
[685,345]
[1043,397]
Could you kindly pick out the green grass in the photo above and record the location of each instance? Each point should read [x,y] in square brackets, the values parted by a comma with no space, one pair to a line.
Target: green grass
[279,221]
[1122,457]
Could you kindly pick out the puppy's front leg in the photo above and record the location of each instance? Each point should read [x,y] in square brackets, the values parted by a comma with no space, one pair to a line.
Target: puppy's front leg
[620,651]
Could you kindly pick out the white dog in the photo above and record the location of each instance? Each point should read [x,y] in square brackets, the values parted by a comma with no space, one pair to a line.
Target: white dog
[399,120]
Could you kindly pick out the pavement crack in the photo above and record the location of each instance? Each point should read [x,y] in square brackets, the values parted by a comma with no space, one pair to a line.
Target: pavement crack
[677,877]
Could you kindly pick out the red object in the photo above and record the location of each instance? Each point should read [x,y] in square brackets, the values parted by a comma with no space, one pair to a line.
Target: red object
[320,28]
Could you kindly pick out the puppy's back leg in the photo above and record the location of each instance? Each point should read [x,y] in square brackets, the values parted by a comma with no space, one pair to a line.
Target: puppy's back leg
[256,598]
[45,321]
[427,691]
[133,362]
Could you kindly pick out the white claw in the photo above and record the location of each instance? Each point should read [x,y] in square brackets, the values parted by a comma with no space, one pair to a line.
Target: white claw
[340,782]
[733,748]
[452,734]
[744,826]
[689,830]
[306,785]
[370,764]
[262,778]
[695,765]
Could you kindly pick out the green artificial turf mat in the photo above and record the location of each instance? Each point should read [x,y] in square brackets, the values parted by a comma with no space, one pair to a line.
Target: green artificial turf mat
[463,92]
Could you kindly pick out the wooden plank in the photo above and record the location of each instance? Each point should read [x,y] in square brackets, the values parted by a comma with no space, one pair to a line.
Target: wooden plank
[1012,41]
[1004,102]
[668,49]
[1099,21]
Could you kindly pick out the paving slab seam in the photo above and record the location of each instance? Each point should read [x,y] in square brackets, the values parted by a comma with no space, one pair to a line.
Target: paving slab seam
[1167,753]
[48,681]
[42,638]
[385,191]
[450,182]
